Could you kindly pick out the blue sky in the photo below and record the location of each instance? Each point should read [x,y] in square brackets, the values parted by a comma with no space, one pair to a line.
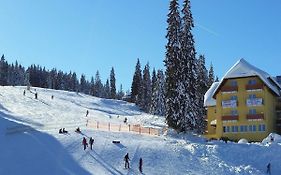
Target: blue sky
[90,35]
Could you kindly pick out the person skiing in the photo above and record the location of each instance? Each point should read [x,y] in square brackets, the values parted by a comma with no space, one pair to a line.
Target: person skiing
[140,165]
[64,131]
[36,95]
[126,159]
[87,113]
[78,130]
[24,92]
[60,131]
[268,167]
[84,143]
[91,141]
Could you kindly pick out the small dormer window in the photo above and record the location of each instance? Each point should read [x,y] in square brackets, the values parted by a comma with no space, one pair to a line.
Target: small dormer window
[233,83]
[252,82]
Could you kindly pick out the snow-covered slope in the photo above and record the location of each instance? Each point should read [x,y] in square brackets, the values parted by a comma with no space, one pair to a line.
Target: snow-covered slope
[30,143]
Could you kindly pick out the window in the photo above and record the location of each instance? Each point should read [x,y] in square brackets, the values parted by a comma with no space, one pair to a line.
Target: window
[252,96]
[251,128]
[234,128]
[233,97]
[252,111]
[243,128]
[234,112]
[228,129]
[262,127]
[224,129]
[252,82]
[254,128]
[233,83]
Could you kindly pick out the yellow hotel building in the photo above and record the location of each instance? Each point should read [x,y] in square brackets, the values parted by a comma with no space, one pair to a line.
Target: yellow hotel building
[246,103]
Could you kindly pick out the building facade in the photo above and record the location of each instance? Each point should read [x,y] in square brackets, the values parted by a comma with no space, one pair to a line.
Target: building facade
[246,104]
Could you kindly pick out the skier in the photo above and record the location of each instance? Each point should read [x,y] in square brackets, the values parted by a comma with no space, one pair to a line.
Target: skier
[78,130]
[91,141]
[24,92]
[126,159]
[52,97]
[36,95]
[125,120]
[87,113]
[140,165]
[268,171]
[84,143]
[64,131]
[60,131]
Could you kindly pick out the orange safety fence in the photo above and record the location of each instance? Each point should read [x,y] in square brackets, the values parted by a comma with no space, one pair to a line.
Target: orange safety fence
[103,126]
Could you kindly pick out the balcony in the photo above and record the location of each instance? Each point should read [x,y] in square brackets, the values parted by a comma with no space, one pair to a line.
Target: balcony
[278,108]
[229,89]
[229,103]
[255,116]
[254,102]
[254,86]
[229,117]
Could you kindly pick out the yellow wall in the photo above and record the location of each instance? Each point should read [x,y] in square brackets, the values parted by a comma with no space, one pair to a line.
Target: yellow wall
[268,109]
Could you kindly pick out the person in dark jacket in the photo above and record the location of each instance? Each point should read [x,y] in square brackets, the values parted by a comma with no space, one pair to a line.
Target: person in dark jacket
[140,165]
[87,113]
[36,95]
[91,141]
[268,168]
[84,143]
[126,159]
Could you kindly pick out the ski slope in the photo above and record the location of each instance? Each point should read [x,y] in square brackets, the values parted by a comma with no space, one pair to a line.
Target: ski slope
[30,142]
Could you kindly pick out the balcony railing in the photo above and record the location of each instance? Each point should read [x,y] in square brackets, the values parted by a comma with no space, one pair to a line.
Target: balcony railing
[229,88]
[254,86]
[255,116]
[254,102]
[278,108]
[229,103]
[229,117]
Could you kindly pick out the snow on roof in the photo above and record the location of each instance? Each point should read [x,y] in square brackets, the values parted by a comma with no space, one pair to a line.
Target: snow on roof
[208,97]
[244,69]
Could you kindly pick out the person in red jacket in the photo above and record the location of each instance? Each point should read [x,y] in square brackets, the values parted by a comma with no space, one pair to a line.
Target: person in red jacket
[84,143]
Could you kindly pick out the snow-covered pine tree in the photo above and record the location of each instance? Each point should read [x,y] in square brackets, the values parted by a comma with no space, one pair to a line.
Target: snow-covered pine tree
[147,90]
[153,79]
[136,88]
[83,83]
[107,90]
[98,86]
[171,62]
[120,93]
[158,106]
[211,76]
[187,68]
[201,89]
[3,71]
[112,84]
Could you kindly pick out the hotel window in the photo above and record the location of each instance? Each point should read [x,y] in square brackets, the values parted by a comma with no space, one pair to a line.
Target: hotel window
[252,111]
[252,96]
[254,128]
[234,112]
[233,83]
[252,82]
[228,129]
[244,128]
[233,97]
[262,127]
[234,128]
[250,128]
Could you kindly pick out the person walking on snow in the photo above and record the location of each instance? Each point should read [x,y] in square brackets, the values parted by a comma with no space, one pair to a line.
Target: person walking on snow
[84,143]
[140,165]
[126,159]
[87,113]
[91,141]
[268,171]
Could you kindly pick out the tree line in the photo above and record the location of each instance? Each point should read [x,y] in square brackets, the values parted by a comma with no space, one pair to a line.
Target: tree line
[16,75]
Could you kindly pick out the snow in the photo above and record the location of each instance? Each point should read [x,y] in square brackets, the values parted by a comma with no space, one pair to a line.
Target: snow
[30,142]
[208,97]
[244,69]
[243,141]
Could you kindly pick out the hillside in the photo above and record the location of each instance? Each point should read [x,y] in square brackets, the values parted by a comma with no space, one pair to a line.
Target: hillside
[31,144]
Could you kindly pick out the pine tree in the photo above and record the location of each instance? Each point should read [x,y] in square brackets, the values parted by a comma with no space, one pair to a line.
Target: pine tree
[171,62]
[211,76]
[120,93]
[202,87]
[107,90]
[136,88]
[158,96]
[98,86]
[147,89]
[112,84]
[3,71]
